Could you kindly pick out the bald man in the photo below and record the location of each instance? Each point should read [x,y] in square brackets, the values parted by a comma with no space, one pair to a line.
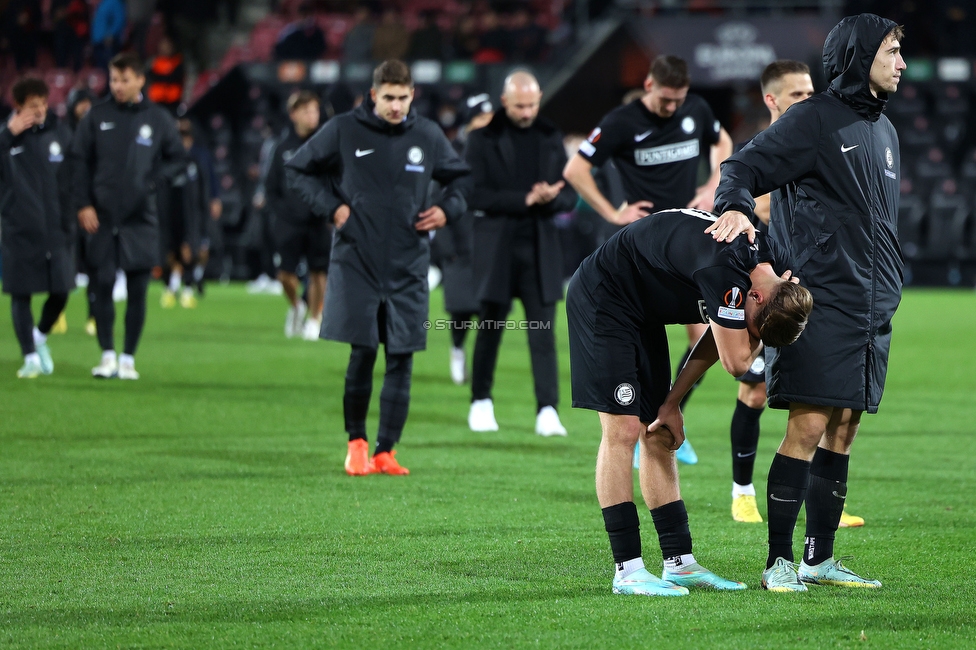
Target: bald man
[516,163]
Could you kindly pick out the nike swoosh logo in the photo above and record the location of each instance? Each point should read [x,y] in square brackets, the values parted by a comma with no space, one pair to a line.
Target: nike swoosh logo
[751,453]
[839,496]
[364,152]
[844,149]
[773,497]
[641,136]
[105,126]
[16,150]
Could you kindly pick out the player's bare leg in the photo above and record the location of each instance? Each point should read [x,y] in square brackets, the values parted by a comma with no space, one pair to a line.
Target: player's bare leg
[316,301]
[295,319]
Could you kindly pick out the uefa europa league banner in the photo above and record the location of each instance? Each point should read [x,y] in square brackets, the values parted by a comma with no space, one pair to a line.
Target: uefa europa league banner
[722,50]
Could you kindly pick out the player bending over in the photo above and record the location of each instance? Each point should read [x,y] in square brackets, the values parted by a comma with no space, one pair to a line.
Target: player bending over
[664,270]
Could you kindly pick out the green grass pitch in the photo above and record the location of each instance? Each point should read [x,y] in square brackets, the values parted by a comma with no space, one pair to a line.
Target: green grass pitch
[206,505]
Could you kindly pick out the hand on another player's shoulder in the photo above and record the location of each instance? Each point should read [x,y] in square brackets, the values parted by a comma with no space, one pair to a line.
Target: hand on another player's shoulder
[730,225]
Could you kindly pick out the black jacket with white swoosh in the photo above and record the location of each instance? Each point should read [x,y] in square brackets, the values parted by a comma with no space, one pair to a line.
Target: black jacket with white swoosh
[383,173]
[835,159]
[36,240]
[118,153]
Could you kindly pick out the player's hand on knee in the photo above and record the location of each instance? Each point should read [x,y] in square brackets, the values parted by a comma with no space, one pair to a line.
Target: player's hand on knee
[669,427]
[730,225]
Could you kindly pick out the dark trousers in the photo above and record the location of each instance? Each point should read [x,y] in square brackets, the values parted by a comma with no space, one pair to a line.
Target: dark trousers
[23,319]
[137,284]
[542,339]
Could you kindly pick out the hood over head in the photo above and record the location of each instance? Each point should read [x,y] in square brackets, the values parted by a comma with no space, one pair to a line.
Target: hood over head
[848,54]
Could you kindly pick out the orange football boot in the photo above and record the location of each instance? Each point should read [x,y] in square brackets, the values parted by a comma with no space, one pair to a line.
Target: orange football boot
[357,459]
[385,463]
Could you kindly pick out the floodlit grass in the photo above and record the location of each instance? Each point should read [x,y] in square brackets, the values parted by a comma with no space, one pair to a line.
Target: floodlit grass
[206,505]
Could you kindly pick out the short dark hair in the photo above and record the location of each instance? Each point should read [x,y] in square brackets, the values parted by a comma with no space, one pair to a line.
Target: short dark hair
[127,61]
[300,98]
[29,87]
[784,316]
[670,71]
[392,72]
[898,31]
[779,69]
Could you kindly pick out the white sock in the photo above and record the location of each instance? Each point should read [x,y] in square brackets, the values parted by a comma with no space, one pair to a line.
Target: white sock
[624,569]
[743,490]
[197,273]
[174,281]
[39,339]
[679,561]
[108,355]
[127,360]
[33,357]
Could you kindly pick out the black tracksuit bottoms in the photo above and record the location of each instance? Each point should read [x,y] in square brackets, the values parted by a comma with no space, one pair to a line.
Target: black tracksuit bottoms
[540,317]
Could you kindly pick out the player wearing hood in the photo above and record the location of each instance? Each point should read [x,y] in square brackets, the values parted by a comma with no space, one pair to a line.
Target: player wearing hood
[833,162]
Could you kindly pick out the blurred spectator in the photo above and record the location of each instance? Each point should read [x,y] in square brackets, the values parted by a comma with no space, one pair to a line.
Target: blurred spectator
[72,29]
[391,39]
[232,7]
[496,41]
[190,22]
[108,27]
[140,18]
[166,76]
[466,39]
[21,27]
[302,39]
[358,45]
[427,42]
[528,38]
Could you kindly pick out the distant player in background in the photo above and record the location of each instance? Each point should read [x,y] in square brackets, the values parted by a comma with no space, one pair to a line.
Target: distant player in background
[189,213]
[655,143]
[117,153]
[37,237]
[300,234]
[454,244]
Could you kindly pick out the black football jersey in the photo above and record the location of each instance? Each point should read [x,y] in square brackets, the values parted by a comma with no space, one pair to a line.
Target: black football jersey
[667,270]
[657,157]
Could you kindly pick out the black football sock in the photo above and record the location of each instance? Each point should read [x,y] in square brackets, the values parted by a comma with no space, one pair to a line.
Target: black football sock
[825,504]
[359,388]
[671,522]
[681,364]
[745,440]
[623,527]
[786,488]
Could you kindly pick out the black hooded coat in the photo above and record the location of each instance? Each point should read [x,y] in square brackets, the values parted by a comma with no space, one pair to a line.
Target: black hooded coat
[835,159]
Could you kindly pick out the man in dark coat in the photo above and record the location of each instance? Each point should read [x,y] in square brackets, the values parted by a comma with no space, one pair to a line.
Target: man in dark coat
[516,171]
[454,247]
[79,103]
[117,153]
[835,156]
[36,244]
[369,171]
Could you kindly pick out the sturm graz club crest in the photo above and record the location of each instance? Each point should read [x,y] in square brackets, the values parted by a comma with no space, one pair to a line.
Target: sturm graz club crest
[415,155]
[889,158]
[624,394]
